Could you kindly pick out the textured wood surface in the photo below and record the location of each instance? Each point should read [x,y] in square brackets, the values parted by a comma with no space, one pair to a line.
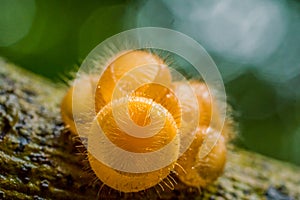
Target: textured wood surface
[39,160]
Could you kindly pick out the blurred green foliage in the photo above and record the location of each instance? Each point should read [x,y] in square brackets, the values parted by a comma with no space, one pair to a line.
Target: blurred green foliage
[61,32]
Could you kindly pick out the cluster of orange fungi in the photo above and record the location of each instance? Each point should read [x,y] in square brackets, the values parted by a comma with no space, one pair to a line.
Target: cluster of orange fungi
[143,101]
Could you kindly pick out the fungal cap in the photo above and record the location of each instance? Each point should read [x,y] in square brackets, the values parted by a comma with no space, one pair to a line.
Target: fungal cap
[152,69]
[85,87]
[128,182]
[200,172]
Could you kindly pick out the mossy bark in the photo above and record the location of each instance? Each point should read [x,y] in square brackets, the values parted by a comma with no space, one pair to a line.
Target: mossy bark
[39,158]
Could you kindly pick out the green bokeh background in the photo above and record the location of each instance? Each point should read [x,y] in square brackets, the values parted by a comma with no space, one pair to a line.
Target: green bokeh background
[52,37]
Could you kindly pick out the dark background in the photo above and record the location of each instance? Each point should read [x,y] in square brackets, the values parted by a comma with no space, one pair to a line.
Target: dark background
[255,44]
